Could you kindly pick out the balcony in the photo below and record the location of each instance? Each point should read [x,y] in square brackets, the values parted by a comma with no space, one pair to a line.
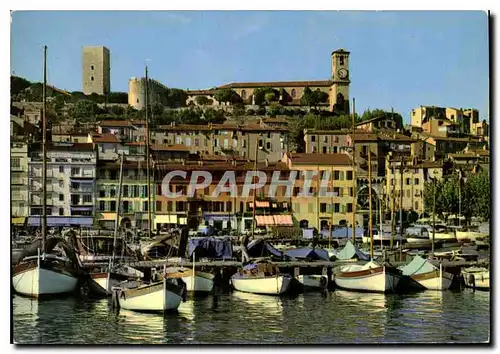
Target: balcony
[81,190]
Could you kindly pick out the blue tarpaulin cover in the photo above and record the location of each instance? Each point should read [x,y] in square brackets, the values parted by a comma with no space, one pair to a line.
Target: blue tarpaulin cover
[343,232]
[261,248]
[311,253]
[211,247]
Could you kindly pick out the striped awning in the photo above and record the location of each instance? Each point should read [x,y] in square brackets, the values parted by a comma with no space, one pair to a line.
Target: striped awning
[283,220]
[264,220]
[274,220]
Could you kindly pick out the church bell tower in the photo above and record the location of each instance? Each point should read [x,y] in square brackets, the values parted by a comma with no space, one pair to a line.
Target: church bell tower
[339,91]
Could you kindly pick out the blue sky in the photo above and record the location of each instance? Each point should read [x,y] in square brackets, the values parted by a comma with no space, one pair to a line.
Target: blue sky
[398,59]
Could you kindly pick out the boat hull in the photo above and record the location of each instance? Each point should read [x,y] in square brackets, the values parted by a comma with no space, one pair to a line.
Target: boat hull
[434,280]
[442,236]
[273,285]
[36,281]
[470,235]
[157,297]
[481,280]
[99,283]
[313,281]
[380,279]
[198,284]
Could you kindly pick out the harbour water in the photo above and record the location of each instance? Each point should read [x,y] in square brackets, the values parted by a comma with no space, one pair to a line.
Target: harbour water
[339,317]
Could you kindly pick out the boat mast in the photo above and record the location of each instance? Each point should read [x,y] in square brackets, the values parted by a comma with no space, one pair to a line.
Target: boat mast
[393,200]
[118,204]
[354,183]
[44,152]
[380,218]
[254,190]
[370,223]
[147,155]
[331,222]
[401,213]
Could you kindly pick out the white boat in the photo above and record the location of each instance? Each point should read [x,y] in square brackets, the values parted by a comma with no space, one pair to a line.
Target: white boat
[45,274]
[313,281]
[371,277]
[477,278]
[261,278]
[196,282]
[156,297]
[427,275]
[442,233]
[385,238]
[470,235]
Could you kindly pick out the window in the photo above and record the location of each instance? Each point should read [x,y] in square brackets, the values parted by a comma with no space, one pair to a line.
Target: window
[417,181]
[268,146]
[351,192]
[261,143]
[408,181]
[408,193]
[269,135]
[338,191]
[170,206]
[322,207]
[335,139]
[325,138]
[313,138]
[349,175]
[158,206]
[61,211]
[324,149]
[102,205]
[137,101]
[15,162]
[144,206]
[341,60]
[61,184]
[91,78]
[75,171]
[125,191]
[349,207]
[216,142]
[335,150]
[112,192]
[61,169]
[336,208]
[125,207]
[243,94]
[229,206]
[294,93]
[87,198]
[112,205]
[188,141]
[336,175]
[196,142]
[92,67]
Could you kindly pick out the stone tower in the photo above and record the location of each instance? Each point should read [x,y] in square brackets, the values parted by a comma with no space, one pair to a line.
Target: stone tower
[339,92]
[96,70]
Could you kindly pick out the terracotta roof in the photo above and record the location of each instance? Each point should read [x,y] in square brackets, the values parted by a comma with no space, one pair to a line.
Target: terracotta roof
[371,120]
[105,138]
[71,146]
[173,147]
[320,159]
[184,127]
[365,137]
[206,127]
[200,92]
[427,164]
[328,132]
[138,122]
[115,123]
[396,137]
[321,83]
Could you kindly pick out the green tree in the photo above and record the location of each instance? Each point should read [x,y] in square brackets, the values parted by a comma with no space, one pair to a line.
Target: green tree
[270,97]
[17,85]
[478,194]
[202,100]
[116,111]
[226,95]
[216,116]
[117,97]
[296,128]
[264,95]
[175,98]
[85,110]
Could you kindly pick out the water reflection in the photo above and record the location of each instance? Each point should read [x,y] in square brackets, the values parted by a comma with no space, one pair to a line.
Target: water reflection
[239,318]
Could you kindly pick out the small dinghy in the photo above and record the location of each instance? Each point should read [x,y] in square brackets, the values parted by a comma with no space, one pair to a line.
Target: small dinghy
[261,278]
[477,278]
[427,275]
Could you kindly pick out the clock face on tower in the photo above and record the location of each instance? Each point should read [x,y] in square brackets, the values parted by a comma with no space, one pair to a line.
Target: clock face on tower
[343,73]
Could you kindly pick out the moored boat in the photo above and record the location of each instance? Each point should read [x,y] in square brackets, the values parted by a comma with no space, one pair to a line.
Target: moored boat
[477,278]
[156,297]
[371,277]
[261,278]
[427,275]
[196,282]
[470,235]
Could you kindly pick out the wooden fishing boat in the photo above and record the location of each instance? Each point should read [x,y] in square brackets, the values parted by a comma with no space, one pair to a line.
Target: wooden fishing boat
[196,281]
[156,297]
[477,278]
[261,278]
[44,274]
[371,277]
[427,275]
